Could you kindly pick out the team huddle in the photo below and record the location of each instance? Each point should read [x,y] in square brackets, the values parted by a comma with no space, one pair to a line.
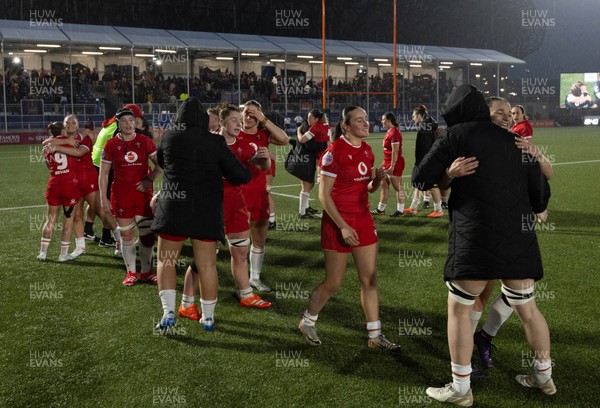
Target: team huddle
[216,168]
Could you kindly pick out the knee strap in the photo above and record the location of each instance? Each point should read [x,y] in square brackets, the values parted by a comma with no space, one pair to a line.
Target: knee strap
[518,296]
[68,211]
[459,294]
[238,242]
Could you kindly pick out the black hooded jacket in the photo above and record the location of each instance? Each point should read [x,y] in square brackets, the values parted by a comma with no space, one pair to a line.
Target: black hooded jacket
[492,227]
[194,162]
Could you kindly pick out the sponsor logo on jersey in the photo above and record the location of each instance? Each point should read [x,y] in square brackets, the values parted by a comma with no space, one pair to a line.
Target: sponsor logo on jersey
[327,159]
[362,168]
[131,157]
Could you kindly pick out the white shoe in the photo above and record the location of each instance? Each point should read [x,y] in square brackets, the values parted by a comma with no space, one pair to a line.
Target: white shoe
[77,252]
[42,256]
[258,285]
[531,381]
[448,394]
[64,258]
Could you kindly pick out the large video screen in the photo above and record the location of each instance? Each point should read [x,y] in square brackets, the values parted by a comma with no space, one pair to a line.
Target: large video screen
[580,90]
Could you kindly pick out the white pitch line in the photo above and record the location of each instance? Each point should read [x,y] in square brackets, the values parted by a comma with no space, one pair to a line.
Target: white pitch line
[577,162]
[286,186]
[21,208]
[286,195]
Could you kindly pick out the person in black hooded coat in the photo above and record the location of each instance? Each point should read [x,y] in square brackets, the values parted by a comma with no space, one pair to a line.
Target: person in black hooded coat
[190,202]
[491,234]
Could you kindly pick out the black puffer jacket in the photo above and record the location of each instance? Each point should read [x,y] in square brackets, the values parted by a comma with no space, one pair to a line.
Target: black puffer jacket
[426,135]
[492,230]
[194,161]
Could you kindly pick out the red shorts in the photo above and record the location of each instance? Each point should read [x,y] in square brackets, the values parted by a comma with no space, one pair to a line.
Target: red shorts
[257,203]
[331,235]
[235,212]
[63,192]
[127,202]
[87,181]
[398,168]
[179,238]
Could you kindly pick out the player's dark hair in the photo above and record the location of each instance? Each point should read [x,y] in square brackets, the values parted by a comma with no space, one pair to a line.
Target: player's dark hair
[224,110]
[317,114]
[575,90]
[345,119]
[421,110]
[522,110]
[392,118]
[55,128]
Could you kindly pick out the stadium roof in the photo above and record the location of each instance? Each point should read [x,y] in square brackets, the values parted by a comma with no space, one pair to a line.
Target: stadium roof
[28,31]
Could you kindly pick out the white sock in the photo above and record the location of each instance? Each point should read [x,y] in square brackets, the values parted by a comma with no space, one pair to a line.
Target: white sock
[309,320]
[415,203]
[400,207]
[437,206]
[543,371]
[44,244]
[128,250]
[208,308]
[64,247]
[167,298]
[257,256]
[374,329]
[187,301]
[499,313]
[381,206]
[80,243]
[475,316]
[146,258]
[444,199]
[461,378]
[304,198]
[272,217]
[246,293]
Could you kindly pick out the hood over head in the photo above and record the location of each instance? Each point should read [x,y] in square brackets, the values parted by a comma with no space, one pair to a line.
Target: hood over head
[192,113]
[465,104]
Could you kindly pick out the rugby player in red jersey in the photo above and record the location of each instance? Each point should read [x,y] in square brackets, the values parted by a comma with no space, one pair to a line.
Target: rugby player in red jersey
[393,162]
[127,154]
[319,132]
[87,180]
[235,217]
[62,190]
[256,193]
[347,225]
